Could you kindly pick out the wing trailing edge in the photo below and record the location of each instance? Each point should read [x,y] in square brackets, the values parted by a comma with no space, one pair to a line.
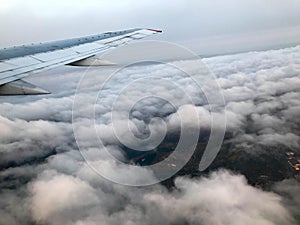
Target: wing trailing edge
[92,61]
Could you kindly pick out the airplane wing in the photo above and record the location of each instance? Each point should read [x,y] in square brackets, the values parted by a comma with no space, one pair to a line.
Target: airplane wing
[19,62]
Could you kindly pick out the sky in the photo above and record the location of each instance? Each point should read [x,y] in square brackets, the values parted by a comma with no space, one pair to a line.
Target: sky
[207,27]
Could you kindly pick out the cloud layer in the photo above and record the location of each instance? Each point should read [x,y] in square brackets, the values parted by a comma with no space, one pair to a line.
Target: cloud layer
[44,178]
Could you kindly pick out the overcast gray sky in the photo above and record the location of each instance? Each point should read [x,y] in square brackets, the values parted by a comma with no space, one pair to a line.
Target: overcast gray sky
[204,26]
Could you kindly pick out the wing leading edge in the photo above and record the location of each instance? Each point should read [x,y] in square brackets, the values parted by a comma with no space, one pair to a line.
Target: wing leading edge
[19,62]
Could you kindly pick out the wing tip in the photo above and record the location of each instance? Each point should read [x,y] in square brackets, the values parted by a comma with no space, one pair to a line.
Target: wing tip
[154,30]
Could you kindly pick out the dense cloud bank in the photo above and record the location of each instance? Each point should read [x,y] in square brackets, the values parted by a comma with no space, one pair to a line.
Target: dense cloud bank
[45,180]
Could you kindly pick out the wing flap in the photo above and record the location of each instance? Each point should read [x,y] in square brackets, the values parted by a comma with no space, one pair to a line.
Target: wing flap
[87,47]
[48,56]
[4,66]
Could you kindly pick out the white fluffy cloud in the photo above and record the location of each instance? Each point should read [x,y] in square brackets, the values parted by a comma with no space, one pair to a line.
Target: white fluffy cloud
[222,198]
[59,195]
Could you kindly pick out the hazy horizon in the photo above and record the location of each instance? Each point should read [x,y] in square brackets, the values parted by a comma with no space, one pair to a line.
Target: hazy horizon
[206,27]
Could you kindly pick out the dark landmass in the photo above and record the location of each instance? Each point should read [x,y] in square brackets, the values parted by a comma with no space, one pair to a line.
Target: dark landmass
[261,169]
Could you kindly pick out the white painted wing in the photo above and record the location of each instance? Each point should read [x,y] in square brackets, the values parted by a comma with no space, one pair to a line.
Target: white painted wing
[19,62]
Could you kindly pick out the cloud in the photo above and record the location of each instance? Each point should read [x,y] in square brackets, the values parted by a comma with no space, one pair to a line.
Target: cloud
[290,190]
[222,198]
[209,200]
[61,195]
[261,91]
[45,179]
[22,141]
